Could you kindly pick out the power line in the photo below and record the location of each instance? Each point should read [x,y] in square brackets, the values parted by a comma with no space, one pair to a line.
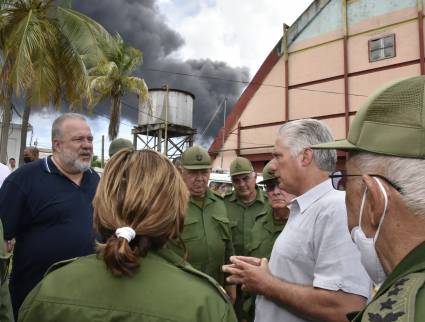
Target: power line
[247,82]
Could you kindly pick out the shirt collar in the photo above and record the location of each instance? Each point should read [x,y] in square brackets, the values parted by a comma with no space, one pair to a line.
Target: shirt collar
[311,196]
[50,167]
[208,198]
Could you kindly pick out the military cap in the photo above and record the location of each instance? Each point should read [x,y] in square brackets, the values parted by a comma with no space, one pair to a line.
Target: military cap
[119,144]
[267,174]
[240,165]
[196,158]
[390,122]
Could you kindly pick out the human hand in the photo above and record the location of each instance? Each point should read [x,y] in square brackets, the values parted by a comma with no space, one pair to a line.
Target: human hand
[251,273]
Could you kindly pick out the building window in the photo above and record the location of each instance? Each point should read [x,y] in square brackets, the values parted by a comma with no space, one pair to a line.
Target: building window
[382,48]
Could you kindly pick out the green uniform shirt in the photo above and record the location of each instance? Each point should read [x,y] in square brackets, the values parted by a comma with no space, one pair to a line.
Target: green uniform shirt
[5,305]
[163,289]
[206,235]
[242,220]
[250,238]
[4,256]
[401,297]
[264,233]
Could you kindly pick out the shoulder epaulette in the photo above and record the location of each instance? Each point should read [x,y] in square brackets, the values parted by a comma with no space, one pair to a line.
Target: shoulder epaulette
[397,304]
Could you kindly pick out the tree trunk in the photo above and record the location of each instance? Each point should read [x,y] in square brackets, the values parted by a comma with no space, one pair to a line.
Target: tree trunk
[24,128]
[114,118]
[7,118]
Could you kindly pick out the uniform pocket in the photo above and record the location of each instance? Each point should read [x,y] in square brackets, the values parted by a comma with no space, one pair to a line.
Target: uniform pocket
[191,230]
[224,225]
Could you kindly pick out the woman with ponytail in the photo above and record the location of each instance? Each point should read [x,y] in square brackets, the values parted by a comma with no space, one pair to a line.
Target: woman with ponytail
[139,206]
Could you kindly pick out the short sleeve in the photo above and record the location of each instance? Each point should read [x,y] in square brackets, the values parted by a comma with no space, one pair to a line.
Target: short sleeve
[12,208]
[338,265]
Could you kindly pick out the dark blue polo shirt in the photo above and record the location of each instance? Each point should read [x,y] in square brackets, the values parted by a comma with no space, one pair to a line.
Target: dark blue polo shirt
[51,218]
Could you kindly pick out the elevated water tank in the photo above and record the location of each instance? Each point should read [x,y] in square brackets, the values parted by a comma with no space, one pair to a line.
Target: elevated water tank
[180,107]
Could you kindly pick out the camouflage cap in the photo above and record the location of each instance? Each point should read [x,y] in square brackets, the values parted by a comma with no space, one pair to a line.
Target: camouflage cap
[196,158]
[267,174]
[240,165]
[390,122]
[119,144]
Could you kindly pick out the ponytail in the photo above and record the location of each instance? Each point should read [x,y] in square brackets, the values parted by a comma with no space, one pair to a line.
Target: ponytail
[122,258]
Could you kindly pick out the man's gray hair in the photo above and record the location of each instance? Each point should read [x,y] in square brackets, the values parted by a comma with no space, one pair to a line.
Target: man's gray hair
[301,134]
[57,124]
[406,173]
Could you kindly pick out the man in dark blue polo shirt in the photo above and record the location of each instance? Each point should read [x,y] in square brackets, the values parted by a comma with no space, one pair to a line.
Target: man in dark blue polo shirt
[46,206]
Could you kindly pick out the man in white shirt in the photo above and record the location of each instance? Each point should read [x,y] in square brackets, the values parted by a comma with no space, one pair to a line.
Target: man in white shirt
[315,273]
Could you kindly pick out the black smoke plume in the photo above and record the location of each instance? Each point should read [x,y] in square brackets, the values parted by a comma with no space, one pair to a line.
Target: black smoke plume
[141,25]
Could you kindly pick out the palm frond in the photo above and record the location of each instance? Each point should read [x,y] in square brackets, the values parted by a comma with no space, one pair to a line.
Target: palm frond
[137,85]
[84,32]
[108,68]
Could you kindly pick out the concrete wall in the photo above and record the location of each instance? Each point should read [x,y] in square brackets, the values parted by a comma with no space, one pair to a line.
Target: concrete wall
[14,141]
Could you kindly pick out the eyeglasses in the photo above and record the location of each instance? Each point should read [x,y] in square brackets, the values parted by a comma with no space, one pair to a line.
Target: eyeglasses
[271,185]
[339,180]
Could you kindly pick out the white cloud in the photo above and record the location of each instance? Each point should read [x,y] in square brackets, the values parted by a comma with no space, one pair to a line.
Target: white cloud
[239,32]
[42,122]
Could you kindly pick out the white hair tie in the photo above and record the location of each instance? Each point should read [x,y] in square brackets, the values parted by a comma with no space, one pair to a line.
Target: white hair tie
[125,232]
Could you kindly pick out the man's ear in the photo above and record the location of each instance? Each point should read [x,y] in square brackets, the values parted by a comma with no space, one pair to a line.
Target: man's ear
[306,157]
[55,144]
[376,199]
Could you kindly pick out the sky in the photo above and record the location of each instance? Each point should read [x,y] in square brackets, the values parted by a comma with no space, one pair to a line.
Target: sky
[211,41]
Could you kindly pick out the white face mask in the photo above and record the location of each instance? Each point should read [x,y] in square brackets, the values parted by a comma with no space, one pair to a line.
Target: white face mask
[366,246]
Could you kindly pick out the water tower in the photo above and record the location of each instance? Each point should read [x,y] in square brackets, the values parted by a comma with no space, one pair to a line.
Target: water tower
[165,122]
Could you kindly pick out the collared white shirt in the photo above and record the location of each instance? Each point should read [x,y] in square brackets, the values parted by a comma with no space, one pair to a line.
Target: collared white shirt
[315,249]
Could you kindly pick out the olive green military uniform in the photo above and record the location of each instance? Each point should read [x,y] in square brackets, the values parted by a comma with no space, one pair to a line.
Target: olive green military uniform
[206,235]
[5,305]
[402,296]
[243,218]
[248,236]
[164,289]
[264,233]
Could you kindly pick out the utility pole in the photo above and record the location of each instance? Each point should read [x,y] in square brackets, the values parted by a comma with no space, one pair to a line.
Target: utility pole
[102,160]
[224,131]
[166,120]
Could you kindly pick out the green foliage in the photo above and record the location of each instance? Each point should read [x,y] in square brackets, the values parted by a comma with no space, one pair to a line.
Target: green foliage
[96,162]
[111,77]
[42,48]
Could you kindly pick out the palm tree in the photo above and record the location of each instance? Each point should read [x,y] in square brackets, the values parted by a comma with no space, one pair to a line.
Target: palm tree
[112,78]
[43,45]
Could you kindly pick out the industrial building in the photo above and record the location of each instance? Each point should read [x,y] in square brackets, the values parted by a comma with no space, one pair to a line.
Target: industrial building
[326,64]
